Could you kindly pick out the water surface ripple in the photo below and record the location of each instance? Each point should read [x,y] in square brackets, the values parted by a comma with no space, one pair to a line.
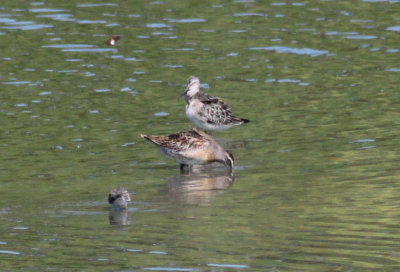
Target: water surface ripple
[315,183]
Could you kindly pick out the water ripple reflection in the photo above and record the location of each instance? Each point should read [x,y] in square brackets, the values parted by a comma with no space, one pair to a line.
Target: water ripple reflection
[96,5]
[361,37]
[84,22]
[393,28]
[58,17]
[393,70]
[189,20]
[92,50]
[236,266]
[67,46]
[45,10]
[250,14]
[157,25]
[9,252]
[20,82]
[27,26]
[298,51]
[161,268]
[316,180]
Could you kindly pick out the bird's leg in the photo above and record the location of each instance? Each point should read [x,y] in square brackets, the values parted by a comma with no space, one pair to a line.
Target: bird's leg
[184,168]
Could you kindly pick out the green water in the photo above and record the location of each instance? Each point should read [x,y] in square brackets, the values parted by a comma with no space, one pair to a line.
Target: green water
[316,180]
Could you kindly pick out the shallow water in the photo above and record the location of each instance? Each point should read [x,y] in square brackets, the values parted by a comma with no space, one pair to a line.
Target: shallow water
[315,185]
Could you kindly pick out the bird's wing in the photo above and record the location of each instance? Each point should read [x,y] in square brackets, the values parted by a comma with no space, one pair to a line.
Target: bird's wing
[180,141]
[216,111]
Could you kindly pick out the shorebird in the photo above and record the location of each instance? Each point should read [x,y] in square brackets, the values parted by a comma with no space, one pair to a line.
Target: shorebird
[207,112]
[191,147]
[119,198]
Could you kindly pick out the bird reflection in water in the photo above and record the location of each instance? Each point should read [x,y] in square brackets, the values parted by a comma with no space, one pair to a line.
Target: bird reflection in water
[119,217]
[198,189]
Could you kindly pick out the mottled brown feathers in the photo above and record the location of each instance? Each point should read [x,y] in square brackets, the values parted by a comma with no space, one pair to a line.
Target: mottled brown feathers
[181,140]
[191,147]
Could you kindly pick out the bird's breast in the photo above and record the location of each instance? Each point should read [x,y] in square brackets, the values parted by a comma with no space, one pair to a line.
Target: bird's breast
[201,154]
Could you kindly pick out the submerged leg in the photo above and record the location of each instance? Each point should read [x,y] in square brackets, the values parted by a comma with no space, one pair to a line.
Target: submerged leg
[184,168]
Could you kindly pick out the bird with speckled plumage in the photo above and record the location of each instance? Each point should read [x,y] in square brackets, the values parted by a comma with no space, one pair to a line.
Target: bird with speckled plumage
[191,147]
[207,112]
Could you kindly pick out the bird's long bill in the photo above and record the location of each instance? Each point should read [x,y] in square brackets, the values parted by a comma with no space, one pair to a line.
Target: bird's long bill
[184,93]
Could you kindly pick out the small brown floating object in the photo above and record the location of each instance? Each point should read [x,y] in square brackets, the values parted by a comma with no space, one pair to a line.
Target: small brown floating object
[113,40]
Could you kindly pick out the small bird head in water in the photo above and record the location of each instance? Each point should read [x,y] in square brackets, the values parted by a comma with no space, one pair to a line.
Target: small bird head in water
[119,198]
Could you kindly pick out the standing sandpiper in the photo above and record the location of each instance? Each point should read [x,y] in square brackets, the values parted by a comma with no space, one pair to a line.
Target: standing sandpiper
[191,147]
[119,198]
[207,112]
